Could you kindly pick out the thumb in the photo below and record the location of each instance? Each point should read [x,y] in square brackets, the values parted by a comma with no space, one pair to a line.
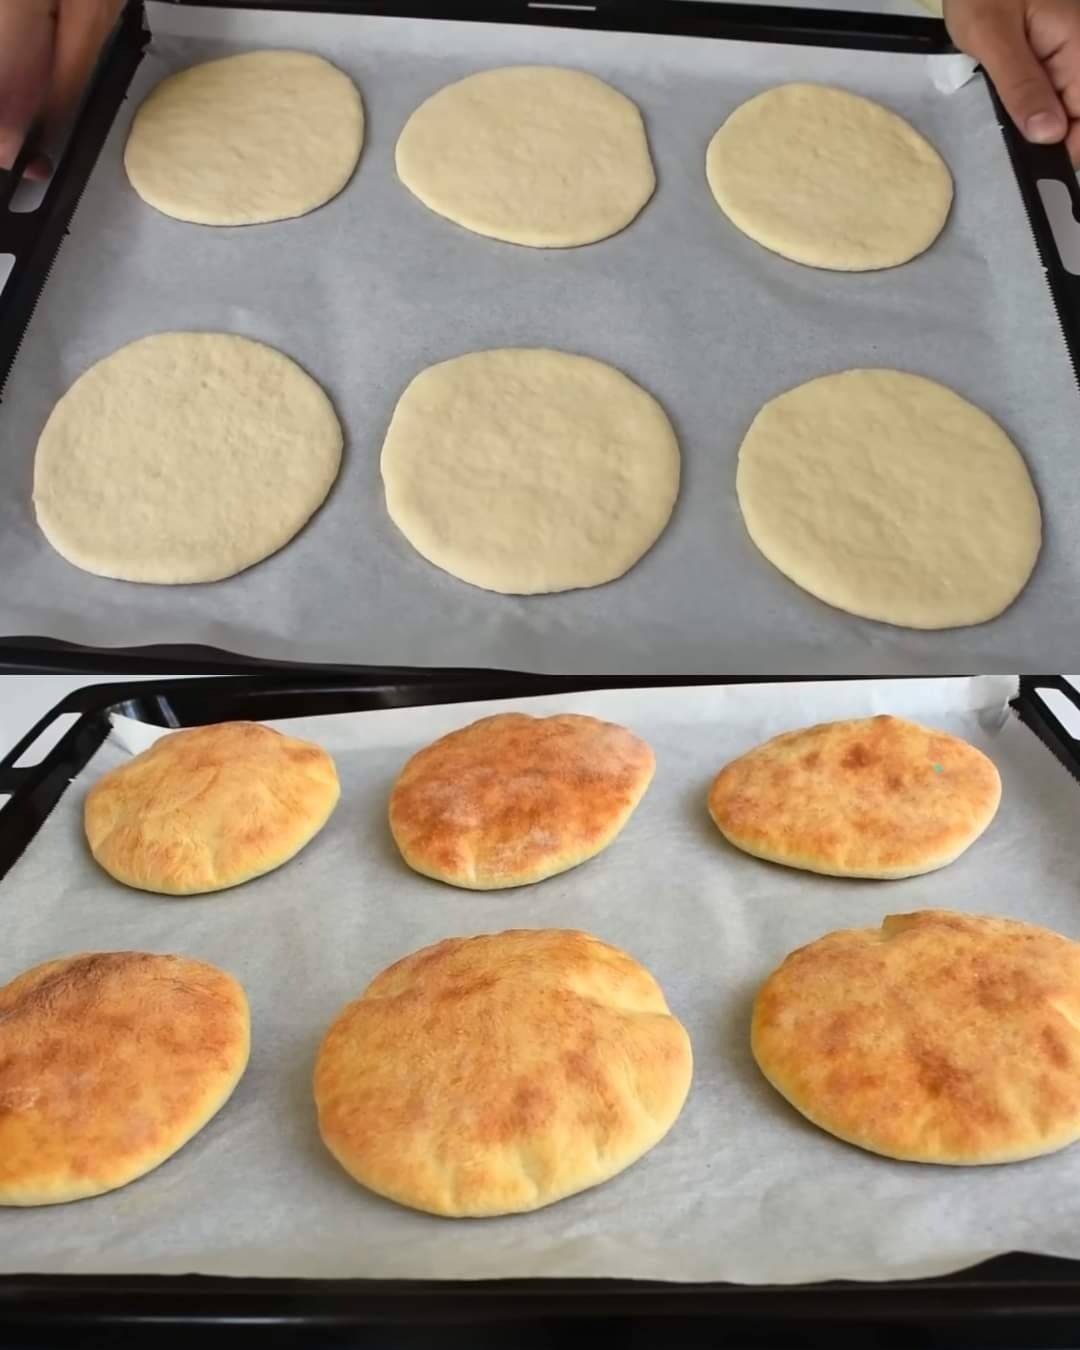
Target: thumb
[26,35]
[995,35]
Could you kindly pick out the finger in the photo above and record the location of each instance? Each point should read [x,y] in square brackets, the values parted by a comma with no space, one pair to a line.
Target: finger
[26,42]
[994,34]
[81,31]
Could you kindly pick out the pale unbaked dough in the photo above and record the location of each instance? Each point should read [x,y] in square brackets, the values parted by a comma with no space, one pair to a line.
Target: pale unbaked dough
[829,179]
[534,155]
[528,470]
[184,457]
[247,139]
[889,496]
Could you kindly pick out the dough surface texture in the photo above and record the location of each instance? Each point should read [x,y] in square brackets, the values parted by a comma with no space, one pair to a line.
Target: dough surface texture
[875,797]
[534,155]
[526,470]
[889,496]
[496,1074]
[247,139]
[109,1063]
[939,1037]
[184,457]
[209,808]
[512,799]
[829,179]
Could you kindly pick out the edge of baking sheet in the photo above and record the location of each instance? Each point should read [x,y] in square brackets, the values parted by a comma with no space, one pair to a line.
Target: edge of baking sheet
[1033,164]
[34,237]
[1036,1294]
[1037,716]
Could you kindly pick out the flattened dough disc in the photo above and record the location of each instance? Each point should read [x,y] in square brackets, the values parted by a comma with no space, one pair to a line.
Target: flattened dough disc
[889,496]
[184,457]
[829,179]
[246,139]
[532,155]
[527,470]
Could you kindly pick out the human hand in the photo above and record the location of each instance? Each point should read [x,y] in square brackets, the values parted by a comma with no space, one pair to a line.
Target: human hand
[47,53]
[1031,51]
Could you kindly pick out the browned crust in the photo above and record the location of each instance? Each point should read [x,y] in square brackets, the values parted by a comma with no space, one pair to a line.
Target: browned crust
[940,1037]
[495,1074]
[109,1063]
[876,797]
[209,808]
[512,799]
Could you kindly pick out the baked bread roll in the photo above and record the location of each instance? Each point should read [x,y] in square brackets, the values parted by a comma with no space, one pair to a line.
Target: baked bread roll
[209,808]
[109,1063]
[877,797]
[496,1074]
[513,799]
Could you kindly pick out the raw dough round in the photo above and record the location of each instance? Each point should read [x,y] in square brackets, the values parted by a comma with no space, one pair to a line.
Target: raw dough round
[829,179]
[889,496]
[184,457]
[527,470]
[533,155]
[247,139]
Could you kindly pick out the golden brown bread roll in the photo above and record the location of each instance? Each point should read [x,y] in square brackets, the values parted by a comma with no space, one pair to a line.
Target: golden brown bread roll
[513,799]
[109,1063]
[877,797]
[939,1037]
[496,1074]
[209,808]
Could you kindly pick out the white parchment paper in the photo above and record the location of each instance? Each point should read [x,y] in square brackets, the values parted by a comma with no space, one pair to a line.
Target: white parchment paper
[742,1188]
[372,288]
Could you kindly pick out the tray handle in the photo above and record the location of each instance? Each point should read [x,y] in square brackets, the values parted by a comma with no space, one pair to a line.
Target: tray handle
[36,788]
[1035,712]
[11,178]
[33,238]
[1037,168]
[15,778]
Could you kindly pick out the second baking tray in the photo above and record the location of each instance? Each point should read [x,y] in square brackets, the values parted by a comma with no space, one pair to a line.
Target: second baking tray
[373,287]
[239,1198]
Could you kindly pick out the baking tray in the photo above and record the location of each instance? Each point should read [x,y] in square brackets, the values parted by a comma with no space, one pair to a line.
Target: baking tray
[1017,1300]
[34,238]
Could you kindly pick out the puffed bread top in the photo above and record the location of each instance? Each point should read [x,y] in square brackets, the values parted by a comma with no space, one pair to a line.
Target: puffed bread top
[209,808]
[877,797]
[512,799]
[496,1074]
[109,1063]
[939,1037]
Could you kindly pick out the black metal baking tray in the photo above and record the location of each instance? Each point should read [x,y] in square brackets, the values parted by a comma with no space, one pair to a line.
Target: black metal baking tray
[1016,1301]
[34,238]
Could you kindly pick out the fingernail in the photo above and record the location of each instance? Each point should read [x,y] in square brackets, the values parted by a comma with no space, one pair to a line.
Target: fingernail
[1044,127]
